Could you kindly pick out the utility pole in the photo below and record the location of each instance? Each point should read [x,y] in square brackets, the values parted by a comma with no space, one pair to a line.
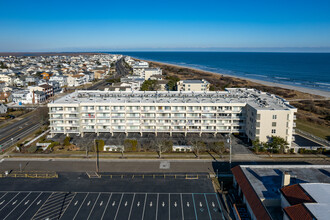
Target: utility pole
[97,156]
[229,141]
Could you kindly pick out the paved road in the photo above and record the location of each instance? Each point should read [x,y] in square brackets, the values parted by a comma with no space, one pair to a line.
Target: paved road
[18,130]
[124,166]
[121,71]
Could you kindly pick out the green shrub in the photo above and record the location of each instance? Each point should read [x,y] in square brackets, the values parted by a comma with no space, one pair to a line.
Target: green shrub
[32,149]
[99,145]
[66,141]
[131,144]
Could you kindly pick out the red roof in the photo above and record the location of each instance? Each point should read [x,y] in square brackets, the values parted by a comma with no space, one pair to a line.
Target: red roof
[298,212]
[251,196]
[295,194]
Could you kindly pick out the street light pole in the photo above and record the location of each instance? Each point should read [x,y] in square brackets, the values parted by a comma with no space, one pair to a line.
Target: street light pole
[229,141]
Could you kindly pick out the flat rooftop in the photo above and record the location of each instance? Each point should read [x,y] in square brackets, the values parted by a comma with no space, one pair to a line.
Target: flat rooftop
[255,98]
[266,179]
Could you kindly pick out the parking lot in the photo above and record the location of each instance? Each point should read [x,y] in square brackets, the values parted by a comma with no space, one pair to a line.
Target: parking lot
[106,205]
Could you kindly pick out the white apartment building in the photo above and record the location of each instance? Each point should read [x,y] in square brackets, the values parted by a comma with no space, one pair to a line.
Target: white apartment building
[148,72]
[193,85]
[257,114]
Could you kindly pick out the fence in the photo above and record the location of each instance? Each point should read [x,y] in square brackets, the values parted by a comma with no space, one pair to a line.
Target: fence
[150,176]
[30,174]
[313,137]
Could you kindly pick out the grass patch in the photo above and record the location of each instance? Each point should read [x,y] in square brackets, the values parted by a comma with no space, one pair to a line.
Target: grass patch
[321,131]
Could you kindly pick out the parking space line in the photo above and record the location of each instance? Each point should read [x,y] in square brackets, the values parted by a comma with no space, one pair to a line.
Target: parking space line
[194,205]
[121,198]
[53,210]
[130,211]
[42,206]
[144,207]
[80,206]
[10,201]
[29,206]
[157,206]
[181,206]
[93,206]
[207,205]
[223,217]
[68,204]
[106,206]
[17,205]
[169,206]
[3,195]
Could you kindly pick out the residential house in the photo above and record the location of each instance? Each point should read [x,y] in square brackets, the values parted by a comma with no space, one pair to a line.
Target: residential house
[35,97]
[76,80]
[6,78]
[2,85]
[3,108]
[6,97]
[62,80]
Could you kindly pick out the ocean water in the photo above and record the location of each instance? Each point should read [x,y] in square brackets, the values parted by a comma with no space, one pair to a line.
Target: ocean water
[310,70]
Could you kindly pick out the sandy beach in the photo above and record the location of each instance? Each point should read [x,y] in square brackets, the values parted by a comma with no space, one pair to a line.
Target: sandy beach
[325,94]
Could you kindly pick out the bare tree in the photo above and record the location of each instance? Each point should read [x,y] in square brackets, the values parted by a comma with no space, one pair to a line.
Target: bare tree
[197,145]
[161,146]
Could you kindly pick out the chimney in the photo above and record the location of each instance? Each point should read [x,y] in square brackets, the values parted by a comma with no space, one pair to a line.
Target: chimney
[285,178]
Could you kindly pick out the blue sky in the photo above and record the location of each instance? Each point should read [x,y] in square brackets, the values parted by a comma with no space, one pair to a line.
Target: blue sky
[267,25]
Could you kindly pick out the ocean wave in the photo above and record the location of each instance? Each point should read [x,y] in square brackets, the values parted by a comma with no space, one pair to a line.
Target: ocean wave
[257,75]
[324,84]
[277,77]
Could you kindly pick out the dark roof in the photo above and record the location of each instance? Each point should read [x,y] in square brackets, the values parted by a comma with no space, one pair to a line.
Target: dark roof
[251,196]
[298,212]
[45,86]
[295,194]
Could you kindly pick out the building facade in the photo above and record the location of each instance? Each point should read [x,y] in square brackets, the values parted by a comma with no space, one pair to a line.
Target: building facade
[193,85]
[172,112]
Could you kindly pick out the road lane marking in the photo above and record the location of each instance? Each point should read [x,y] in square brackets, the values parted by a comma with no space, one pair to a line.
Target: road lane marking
[194,205]
[207,205]
[17,205]
[122,195]
[223,217]
[90,213]
[41,205]
[130,211]
[9,201]
[156,206]
[181,206]
[80,206]
[29,206]
[144,205]
[68,204]
[106,206]
[169,206]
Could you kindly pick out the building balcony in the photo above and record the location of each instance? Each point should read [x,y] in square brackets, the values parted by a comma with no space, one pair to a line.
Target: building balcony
[103,130]
[57,118]
[294,125]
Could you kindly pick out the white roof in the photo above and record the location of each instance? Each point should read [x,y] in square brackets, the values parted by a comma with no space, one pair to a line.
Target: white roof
[320,192]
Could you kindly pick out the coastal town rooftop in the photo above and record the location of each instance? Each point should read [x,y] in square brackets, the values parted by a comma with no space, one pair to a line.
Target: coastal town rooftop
[266,179]
[255,98]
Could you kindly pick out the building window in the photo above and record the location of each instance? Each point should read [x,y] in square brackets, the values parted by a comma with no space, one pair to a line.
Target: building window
[258,116]
[274,116]
[273,124]
[273,131]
